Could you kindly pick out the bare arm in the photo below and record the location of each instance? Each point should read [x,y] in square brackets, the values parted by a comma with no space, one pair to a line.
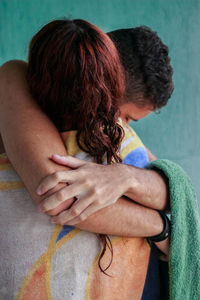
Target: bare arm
[28,135]
[30,139]
[127,219]
[97,186]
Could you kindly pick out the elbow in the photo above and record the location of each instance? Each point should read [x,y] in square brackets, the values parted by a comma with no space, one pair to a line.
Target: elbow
[12,65]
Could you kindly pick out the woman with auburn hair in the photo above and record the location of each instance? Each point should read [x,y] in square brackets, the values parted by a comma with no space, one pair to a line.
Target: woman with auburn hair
[75,75]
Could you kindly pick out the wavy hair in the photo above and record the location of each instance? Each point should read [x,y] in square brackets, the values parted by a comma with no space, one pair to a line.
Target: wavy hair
[147,66]
[75,75]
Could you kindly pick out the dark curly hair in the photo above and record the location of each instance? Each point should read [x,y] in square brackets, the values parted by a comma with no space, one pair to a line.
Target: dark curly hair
[147,66]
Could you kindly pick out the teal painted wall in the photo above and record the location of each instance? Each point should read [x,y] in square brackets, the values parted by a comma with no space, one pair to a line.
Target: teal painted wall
[174,133]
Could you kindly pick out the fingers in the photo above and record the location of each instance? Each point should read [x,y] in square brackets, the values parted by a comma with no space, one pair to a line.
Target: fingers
[59,197]
[91,209]
[77,213]
[69,161]
[52,180]
[95,192]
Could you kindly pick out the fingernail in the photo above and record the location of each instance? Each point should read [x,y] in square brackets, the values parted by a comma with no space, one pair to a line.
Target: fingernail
[39,192]
[57,155]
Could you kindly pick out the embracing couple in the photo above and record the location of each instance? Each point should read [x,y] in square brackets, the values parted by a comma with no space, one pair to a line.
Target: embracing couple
[107,200]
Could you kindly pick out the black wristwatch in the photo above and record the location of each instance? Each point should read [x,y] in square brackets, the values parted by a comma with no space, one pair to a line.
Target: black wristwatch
[166,231]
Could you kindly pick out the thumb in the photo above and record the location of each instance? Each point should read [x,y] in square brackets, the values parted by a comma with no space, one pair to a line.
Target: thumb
[68,160]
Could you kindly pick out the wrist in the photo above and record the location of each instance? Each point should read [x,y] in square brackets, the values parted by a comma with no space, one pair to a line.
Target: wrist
[147,187]
[128,179]
[165,233]
[132,182]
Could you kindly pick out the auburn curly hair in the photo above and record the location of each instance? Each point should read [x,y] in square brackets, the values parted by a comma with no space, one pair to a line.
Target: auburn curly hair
[75,75]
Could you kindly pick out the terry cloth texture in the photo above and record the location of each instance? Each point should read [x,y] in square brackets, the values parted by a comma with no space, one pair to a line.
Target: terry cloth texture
[184,265]
[43,261]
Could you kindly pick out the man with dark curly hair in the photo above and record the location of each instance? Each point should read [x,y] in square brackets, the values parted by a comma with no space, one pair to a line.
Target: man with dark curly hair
[149,83]
[147,66]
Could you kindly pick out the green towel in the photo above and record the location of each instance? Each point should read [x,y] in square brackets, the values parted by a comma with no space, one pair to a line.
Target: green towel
[184,264]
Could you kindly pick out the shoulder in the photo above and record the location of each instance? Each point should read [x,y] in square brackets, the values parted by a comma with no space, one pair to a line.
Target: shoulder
[130,137]
[132,150]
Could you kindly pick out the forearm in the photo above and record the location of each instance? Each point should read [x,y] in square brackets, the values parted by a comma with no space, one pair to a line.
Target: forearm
[127,218]
[30,139]
[28,135]
[146,187]
[124,218]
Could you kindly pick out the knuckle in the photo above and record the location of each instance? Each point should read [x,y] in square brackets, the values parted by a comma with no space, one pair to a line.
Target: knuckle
[75,212]
[96,191]
[56,176]
[99,201]
[86,181]
[82,217]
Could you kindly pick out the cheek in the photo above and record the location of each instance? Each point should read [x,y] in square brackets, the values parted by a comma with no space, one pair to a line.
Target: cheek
[146,114]
[141,115]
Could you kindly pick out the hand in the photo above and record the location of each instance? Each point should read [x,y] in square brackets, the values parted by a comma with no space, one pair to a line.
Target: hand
[94,186]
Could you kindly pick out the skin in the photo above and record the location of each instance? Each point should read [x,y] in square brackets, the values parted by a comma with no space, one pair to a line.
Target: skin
[28,143]
[88,203]
[131,112]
